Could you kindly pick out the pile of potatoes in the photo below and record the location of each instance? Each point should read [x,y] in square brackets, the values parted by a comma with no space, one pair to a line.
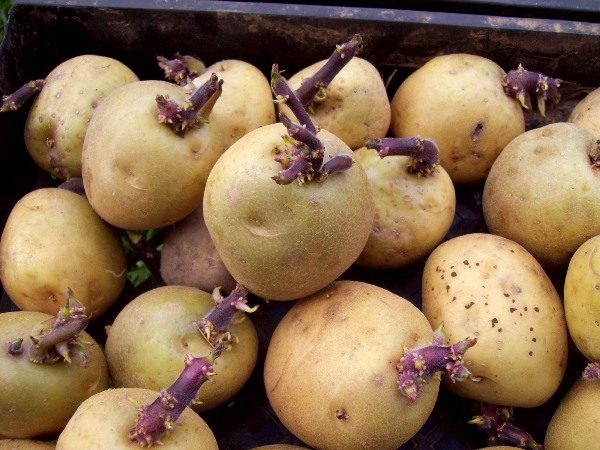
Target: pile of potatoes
[316,197]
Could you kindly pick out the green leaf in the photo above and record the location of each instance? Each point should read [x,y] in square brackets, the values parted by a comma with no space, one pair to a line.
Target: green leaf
[138,274]
[151,233]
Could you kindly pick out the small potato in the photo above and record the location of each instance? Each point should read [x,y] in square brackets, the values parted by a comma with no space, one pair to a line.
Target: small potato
[330,371]
[490,287]
[52,241]
[246,102]
[356,106]
[543,192]
[586,113]
[575,424]
[458,101]
[413,213]
[582,298]
[58,119]
[103,422]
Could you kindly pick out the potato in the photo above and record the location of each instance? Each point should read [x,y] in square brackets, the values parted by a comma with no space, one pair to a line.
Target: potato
[586,114]
[58,119]
[189,257]
[25,444]
[582,298]
[138,173]
[356,106]
[38,399]
[279,447]
[490,287]
[330,370]
[149,339]
[412,212]
[283,242]
[246,102]
[543,191]
[574,425]
[458,101]
[103,422]
[53,241]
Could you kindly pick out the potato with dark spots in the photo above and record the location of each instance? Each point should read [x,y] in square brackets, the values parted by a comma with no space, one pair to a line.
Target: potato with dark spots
[52,241]
[586,114]
[25,444]
[543,191]
[458,101]
[489,287]
[413,212]
[58,119]
[189,257]
[104,421]
[246,102]
[149,339]
[574,425]
[139,173]
[582,298]
[332,370]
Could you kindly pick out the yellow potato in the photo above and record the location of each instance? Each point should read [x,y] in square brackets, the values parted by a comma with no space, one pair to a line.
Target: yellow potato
[574,425]
[330,371]
[491,288]
[458,101]
[582,298]
[586,114]
[412,213]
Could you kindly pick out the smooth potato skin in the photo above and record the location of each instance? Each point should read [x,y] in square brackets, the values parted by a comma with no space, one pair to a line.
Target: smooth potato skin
[285,242]
[104,420]
[574,425]
[356,107]
[138,173]
[412,213]
[458,101]
[542,192]
[189,257]
[337,350]
[582,298]
[489,287]
[38,399]
[246,102]
[53,241]
[586,114]
[150,338]
[58,118]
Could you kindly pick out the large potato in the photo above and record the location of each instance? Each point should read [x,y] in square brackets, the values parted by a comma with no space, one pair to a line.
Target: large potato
[543,192]
[53,241]
[575,424]
[413,213]
[490,287]
[458,101]
[582,298]
[330,371]
[58,119]
[586,114]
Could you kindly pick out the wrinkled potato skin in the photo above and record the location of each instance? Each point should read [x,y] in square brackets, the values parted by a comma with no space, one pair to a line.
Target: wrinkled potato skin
[246,102]
[337,351]
[285,242]
[137,173]
[458,101]
[60,114]
[149,339]
[586,114]
[53,241]
[574,425]
[412,213]
[488,287]
[38,399]
[104,420]
[189,257]
[25,444]
[542,192]
[357,106]
[582,298]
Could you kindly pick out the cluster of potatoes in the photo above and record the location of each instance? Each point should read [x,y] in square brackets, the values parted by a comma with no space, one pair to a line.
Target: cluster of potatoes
[333,363]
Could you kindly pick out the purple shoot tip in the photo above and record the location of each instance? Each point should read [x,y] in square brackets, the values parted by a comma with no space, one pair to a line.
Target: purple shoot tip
[182,69]
[522,84]
[424,152]
[592,371]
[15,100]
